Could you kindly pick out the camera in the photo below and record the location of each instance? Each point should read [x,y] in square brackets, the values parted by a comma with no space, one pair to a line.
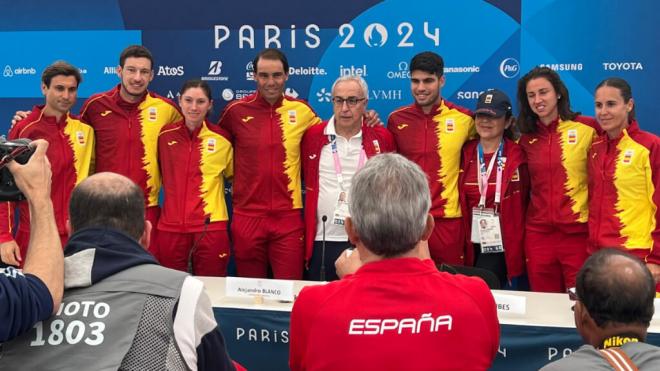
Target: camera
[19,150]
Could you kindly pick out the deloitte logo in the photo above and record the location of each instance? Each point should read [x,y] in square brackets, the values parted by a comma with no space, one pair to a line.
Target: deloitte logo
[323,95]
[509,68]
[375,40]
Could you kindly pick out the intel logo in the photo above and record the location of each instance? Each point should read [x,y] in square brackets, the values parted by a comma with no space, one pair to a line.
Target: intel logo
[509,68]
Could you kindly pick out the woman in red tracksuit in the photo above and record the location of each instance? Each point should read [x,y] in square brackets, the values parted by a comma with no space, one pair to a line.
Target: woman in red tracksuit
[556,141]
[195,158]
[624,179]
[493,119]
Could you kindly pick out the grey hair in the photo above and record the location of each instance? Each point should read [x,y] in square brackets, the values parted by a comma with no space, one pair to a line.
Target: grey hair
[358,79]
[390,201]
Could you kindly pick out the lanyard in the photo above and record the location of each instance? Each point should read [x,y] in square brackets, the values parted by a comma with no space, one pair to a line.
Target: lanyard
[483,174]
[335,156]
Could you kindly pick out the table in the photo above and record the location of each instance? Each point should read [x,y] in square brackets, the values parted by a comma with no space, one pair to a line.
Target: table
[257,334]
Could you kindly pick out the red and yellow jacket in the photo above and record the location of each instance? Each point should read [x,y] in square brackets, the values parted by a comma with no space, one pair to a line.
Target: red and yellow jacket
[266,141]
[624,183]
[375,140]
[515,195]
[127,136]
[70,152]
[194,167]
[434,141]
[557,162]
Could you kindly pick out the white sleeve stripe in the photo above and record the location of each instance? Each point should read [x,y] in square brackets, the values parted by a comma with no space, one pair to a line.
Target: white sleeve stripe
[184,320]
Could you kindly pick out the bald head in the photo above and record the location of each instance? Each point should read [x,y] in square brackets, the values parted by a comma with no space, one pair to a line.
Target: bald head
[108,200]
[616,288]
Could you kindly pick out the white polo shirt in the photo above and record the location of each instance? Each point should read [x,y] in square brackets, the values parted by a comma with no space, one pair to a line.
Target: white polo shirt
[349,156]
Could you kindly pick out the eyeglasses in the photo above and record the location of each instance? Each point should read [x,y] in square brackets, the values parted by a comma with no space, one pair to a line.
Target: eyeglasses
[351,101]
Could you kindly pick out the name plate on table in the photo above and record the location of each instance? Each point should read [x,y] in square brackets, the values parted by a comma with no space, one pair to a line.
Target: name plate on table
[257,287]
[510,304]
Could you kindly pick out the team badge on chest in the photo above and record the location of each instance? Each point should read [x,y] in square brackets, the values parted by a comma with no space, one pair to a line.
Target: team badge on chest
[293,117]
[449,125]
[153,114]
[572,136]
[80,136]
[210,145]
[627,157]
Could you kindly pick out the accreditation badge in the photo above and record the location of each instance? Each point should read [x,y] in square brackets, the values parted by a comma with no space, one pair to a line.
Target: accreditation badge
[341,209]
[490,233]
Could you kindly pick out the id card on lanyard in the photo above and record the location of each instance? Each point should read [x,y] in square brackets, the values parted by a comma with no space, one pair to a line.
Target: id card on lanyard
[486,229]
[341,207]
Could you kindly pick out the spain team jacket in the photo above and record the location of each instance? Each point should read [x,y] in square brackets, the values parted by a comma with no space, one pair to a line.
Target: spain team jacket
[375,140]
[194,166]
[513,205]
[624,190]
[557,162]
[127,136]
[266,140]
[434,142]
[70,152]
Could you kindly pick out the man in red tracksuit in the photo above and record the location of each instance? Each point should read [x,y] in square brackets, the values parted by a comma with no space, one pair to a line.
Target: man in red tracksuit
[266,129]
[397,311]
[70,151]
[431,133]
[354,142]
[127,120]
[194,165]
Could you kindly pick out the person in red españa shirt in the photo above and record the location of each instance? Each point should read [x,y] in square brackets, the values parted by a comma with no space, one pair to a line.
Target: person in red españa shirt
[70,152]
[556,141]
[195,158]
[397,311]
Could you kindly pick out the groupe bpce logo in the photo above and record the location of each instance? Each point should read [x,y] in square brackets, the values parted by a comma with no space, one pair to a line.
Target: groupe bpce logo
[510,68]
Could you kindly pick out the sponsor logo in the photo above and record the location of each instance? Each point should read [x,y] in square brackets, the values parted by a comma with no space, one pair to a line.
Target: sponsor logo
[402,72]
[627,156]
[170,71]
[80,136]
[307,71]
[210,145]
[449,125]
[222,256]
[83,71]
[171,95]
[247,118]
[375,35]
[311,157]
[291,92]
[353,71]
[9,71]
[623,66]
[105,113]
[293,117]
[215,71]
[532,141]
[172,142]
[563,66]
[380,94]
[468,94]
[249,71]
[402,126]
[516,176]
[572,136]
[509,68]
[376,146]
[111,70]
[461,69]
[153,113]
[229,94]
[323,95]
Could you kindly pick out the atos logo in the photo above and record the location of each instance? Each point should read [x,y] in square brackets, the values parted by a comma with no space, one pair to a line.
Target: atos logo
[375,35]
[323,95]
[509,68]
[170,71]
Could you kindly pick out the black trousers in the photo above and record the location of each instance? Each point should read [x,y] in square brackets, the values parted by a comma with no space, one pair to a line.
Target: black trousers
[332,251]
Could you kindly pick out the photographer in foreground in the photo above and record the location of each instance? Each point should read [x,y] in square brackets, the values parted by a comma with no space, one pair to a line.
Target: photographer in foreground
[31,296]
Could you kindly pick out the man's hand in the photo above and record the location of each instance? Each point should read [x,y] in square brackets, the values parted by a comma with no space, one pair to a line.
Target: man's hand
[10,253]
[34,178]
[655,271]
[18,116]
[371,118]
[348,262]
